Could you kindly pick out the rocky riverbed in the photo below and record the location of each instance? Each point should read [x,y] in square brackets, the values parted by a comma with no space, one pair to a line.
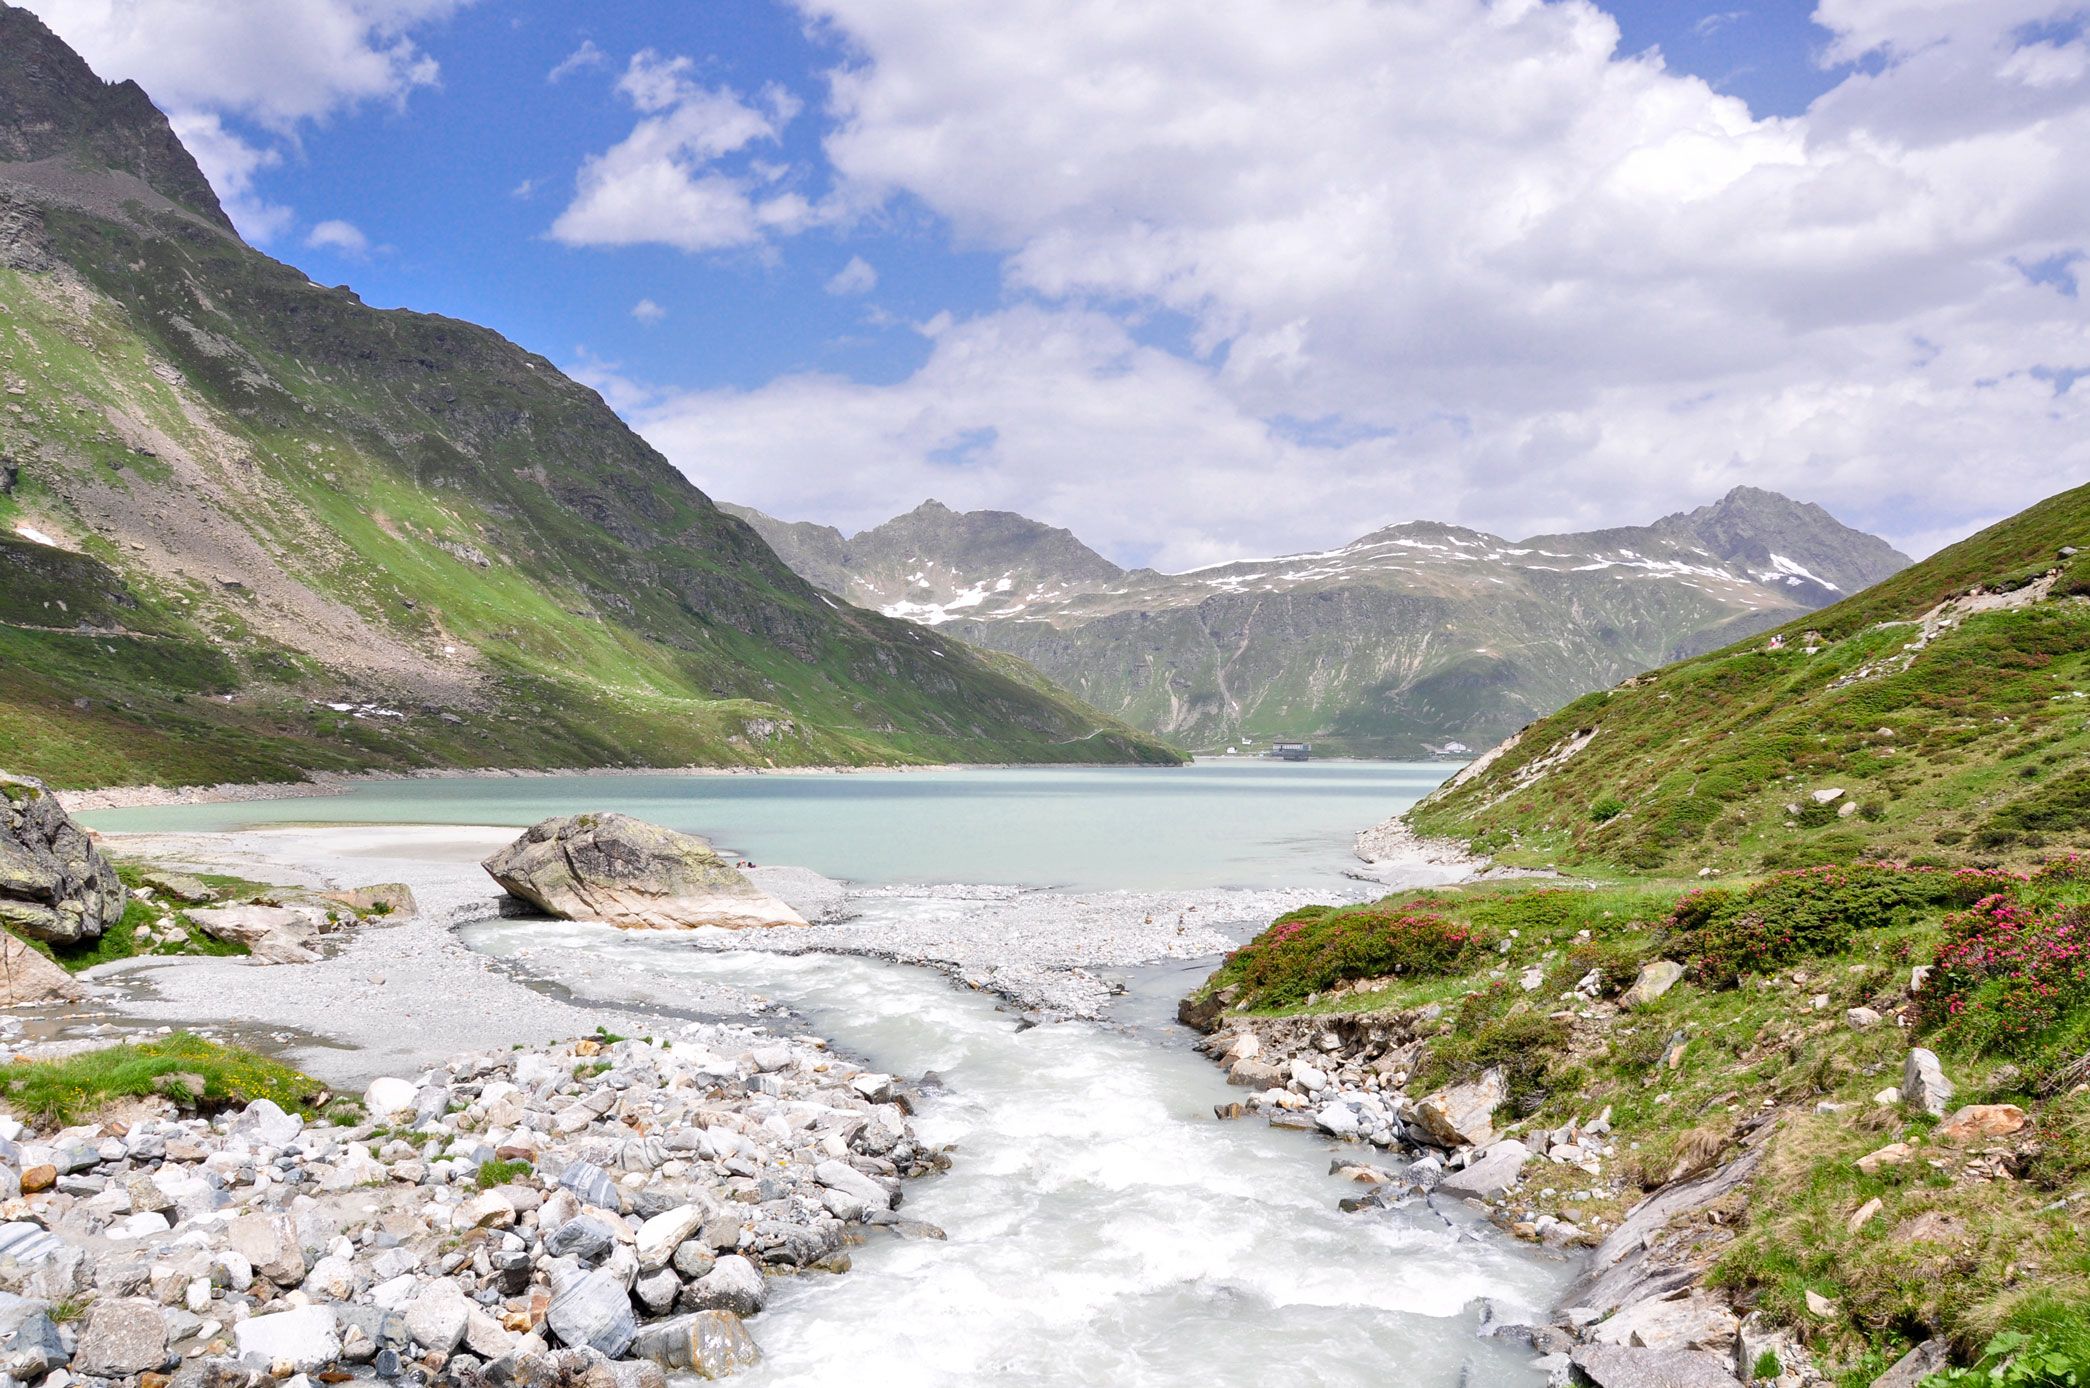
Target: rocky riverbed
[603,1212]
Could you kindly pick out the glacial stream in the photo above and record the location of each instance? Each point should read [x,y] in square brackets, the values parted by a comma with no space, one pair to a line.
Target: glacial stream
[1104,1228]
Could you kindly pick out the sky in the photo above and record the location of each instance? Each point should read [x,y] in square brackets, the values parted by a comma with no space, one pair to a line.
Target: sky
[1199,281]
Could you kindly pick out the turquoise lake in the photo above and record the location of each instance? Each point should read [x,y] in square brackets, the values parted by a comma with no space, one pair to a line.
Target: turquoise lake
[1221,823]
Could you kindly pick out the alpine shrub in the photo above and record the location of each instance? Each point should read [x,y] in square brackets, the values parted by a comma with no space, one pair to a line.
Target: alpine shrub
[1306,952]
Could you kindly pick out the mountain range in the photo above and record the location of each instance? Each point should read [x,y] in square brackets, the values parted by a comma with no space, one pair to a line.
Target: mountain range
[252,528]
[1936,718]
[1416,639]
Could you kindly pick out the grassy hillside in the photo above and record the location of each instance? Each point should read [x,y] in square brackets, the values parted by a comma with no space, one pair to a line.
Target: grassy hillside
[1942,715]
[1758,1047]
[251,528]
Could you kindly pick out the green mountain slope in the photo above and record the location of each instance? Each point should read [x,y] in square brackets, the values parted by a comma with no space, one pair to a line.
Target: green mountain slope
[250,527]
[1414,639]
[1943,714]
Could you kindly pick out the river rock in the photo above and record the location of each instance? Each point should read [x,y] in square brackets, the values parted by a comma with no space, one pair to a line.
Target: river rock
[436,1318]
[1923,1083]
[55,885]
[391,901]
[269,1242]
[710,1344]
[1463,1115]
[27,976]
[387,1096]
[1977,1121]
[733,1284]
[841,1176]
[1697,1321]
[125,1336]
[263,1123]
[1657,977]
[592,1185]
[271,934]
[30,1345]
[1622,1366]
[660,1236]
[626,872]
[305,1337]
[1495,1172]
[591,1309]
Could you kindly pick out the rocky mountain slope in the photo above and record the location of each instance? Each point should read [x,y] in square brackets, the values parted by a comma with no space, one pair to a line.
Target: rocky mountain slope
[250,527]
[1414,639]
[1943,714]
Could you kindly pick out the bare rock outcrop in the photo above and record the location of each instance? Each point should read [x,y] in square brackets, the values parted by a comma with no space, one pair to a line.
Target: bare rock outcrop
[626,872]
[55,885]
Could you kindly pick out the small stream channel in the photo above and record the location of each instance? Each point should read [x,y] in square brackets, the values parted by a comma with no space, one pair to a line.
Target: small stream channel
[1103,1227]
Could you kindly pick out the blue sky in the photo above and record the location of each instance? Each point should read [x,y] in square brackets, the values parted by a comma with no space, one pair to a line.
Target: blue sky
[434,185]
[1196,283]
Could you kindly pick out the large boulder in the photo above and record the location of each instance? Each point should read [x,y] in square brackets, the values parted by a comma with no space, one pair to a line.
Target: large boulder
[55,885]
[271,934]
[1623,1366]
[1494,1174]
[626,872]
[1463,1115]
[27,976]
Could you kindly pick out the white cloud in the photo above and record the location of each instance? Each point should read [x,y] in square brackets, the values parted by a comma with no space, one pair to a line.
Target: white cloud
[278,63]
[648,312]
[857,277]
[664,183]
[336,235]
[579,60]
[231,165]
[1502,272]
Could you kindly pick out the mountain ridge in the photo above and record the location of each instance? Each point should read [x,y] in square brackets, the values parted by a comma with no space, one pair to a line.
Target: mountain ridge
[1934,717]
[252,528]
[1418,637]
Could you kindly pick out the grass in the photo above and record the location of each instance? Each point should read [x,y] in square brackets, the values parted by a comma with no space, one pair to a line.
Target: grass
[193,1072]
[1764,1040]
[124,939]
[501,1173]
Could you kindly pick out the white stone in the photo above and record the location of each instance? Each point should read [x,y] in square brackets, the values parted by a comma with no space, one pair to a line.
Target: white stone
[387,1096]
[305,1338]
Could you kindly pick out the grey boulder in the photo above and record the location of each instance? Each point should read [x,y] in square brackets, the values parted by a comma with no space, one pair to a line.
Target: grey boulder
[1495,1172]
[127,1336]
[55,885]
[710,1344]
[626,872]
[271,934]
[1620,1366]
[592,1309]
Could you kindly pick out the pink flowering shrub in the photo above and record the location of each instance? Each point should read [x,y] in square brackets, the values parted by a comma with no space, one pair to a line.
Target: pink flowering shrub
[1312,950]
[2013,967]
[1725,933]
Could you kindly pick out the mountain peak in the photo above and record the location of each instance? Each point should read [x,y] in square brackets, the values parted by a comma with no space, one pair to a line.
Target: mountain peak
[53,107]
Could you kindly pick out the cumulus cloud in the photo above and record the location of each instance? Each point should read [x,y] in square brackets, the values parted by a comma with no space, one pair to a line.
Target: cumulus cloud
[857,277]
[648,312]
[336,235]
[276,63]
[666,183]
[231,164]
[1461,258]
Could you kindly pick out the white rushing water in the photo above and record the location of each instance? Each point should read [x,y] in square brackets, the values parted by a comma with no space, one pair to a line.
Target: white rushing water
[1103,1227]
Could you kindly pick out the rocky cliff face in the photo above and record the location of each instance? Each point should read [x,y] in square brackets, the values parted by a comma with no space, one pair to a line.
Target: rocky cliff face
[1415,639]
[256,528]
